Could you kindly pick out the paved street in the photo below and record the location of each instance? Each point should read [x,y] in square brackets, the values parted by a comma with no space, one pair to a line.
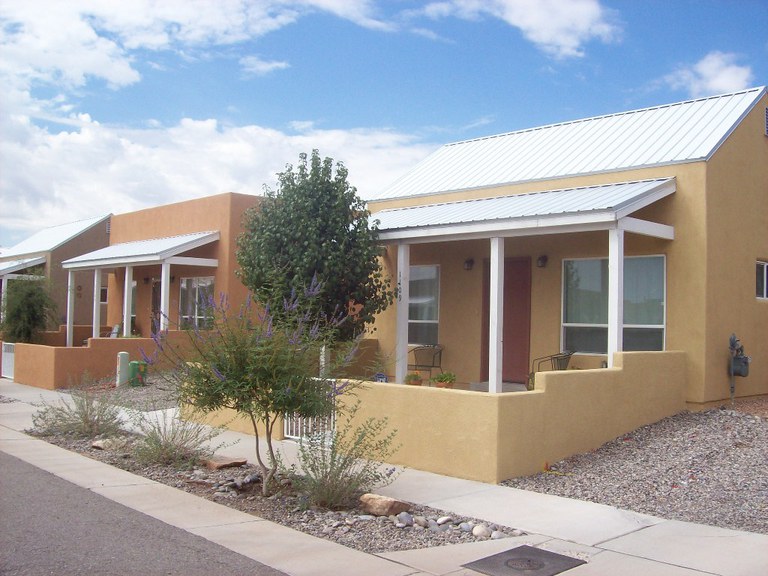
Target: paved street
[50,526]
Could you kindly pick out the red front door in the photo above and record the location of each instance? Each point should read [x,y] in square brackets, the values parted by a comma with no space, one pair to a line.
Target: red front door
[517,319]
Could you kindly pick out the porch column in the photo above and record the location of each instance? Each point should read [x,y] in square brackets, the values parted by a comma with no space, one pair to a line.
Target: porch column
[165,294]
[70,307]
[3,296]
[495,337]
[403,298]
[615,293]
[127,293]
[96,303]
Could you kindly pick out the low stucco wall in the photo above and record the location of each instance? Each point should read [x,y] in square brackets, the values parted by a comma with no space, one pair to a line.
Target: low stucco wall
[491,437]
[53,367]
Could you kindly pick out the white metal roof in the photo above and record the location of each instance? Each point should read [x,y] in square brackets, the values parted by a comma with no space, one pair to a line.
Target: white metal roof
[51,238]
[14,266]
[152,251]
[674,133]
[521,213]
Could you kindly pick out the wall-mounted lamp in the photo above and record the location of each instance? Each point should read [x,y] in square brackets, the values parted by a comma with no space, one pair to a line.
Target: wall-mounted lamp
[541,261]
[469,263]
[146,279]
[173,279]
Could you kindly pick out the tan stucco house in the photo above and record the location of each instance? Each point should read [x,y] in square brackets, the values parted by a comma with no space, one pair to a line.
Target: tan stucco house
[644,230]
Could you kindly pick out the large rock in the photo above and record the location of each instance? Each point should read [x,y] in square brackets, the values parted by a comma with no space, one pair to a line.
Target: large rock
[219,462]
[382,505]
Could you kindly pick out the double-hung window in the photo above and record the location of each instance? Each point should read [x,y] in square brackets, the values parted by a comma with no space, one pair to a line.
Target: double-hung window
[194,302]
[423,304]
[585,304]
[761,278]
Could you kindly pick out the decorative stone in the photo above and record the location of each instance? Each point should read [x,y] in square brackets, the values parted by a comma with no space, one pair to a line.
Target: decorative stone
[444,520]
[466,527]
[420,521]
[515,533]
[367,517]
[497,535]
[382,505]
[405,518]
[109,444]
[220,462]
[481,531]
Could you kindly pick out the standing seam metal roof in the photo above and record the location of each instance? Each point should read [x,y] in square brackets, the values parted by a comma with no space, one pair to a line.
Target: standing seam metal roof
[669,134]
[591,199]
[51,238]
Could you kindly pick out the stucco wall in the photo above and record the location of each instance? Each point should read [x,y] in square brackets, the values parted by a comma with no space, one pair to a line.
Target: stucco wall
[223,213]
[737,221]
[490,437]
[53,367]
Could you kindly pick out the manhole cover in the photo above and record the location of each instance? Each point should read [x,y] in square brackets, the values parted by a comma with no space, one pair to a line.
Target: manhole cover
[524,561]
[524,564]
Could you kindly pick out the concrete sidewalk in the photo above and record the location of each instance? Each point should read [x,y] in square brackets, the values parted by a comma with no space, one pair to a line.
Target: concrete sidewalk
[613,541]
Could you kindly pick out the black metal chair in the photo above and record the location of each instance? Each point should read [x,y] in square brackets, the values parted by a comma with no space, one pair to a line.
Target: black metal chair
[557,361]
[426,358]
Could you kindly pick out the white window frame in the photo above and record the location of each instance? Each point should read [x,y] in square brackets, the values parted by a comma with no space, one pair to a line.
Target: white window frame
[436,322]
[764,265]
[198,320]
[564,325]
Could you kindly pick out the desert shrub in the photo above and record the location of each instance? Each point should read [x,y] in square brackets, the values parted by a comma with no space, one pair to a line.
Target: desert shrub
[334,468]
[29,309]
[167,439]
[85,415]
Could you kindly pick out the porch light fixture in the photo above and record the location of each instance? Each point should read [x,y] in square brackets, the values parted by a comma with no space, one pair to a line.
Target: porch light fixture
[541,261]
[469,263]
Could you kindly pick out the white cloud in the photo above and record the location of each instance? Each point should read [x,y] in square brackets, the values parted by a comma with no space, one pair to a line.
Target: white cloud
[558,27]
[716,73]
[256,66]
[93,169]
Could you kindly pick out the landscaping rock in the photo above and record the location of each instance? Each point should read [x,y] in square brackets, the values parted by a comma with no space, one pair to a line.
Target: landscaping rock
[382,505]
[221,462]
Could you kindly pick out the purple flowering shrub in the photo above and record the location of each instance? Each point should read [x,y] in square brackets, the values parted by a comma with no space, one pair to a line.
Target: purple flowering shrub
[263,366]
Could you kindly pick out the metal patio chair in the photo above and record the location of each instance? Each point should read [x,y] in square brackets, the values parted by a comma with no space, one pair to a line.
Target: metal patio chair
[426,358]
[557,361]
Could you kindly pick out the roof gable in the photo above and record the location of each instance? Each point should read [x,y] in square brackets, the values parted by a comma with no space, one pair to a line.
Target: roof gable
[49,239]
[674,133]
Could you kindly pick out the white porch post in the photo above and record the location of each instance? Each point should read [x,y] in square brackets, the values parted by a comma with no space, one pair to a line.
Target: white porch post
[615,293]
[495,336]
[3,295]
[127,293]
[401,338]
[70,307]
[165,295]
[96,303]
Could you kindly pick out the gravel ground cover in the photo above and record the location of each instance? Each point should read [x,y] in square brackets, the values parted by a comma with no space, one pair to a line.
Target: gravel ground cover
[707,467]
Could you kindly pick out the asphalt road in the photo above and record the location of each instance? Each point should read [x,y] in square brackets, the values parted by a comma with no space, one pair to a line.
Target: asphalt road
[49,526]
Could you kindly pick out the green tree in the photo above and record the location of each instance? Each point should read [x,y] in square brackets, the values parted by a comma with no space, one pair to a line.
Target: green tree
[314,227]
[29,309]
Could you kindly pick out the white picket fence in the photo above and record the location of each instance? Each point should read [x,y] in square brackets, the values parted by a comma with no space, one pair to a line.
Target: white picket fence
[298,427]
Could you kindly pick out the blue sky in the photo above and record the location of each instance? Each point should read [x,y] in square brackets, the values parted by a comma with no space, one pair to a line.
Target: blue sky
[117,106]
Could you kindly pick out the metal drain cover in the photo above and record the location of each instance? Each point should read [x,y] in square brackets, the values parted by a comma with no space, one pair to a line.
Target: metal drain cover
[524,561]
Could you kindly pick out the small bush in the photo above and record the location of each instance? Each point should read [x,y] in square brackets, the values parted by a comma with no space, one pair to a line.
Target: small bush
[170,440]
[334,469]
[85,415]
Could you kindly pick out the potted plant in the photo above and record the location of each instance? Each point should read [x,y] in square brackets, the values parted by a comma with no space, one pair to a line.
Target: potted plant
[414,379]
[444,380]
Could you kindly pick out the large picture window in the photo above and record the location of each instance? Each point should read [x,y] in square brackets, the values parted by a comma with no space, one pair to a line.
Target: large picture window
[761,278]
[196,293]
[585,304]
[423,304]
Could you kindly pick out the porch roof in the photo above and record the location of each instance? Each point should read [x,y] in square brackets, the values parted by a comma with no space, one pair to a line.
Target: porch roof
[14,266]
[154,251]
[548,212]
